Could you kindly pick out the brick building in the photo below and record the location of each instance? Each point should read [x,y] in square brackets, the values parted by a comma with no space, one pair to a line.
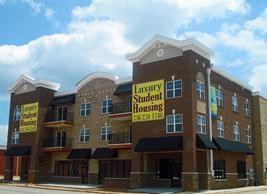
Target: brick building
[178,121]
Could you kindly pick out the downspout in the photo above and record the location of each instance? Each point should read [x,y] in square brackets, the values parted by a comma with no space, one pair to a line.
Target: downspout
[210,120]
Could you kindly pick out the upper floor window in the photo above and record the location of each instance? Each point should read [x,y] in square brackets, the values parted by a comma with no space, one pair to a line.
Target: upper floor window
[16,114]
[106,133]
[234,104]
[15,137]
[220,128]
[201,124]
[200,90]
[249,135]
[174,89]
[219,97]
[236,130]
[247,108]
[219,168]
[84,135]
[106,106]
[85,109]
[174,123]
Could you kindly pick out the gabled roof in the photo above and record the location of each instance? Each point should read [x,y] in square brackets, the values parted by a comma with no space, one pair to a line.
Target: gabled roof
[188,44]
[37,83]
[95,75]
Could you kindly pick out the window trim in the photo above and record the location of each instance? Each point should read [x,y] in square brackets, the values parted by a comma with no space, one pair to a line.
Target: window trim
[236,136]
[106,134]
[174,123]
[202,126]
[84,135]
[234,104]
[16,114]
[249,136]
[200,91]
[107,107]
[247,108]
[15,137]
[220,130]
[219,98]
[174,89]
[85,109]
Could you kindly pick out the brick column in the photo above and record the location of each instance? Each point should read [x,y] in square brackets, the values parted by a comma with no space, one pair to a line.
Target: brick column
[8,176]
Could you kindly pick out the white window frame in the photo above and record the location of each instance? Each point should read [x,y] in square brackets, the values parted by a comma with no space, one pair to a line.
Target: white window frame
[15,137]
[174,91]
[174,123]
[247,108]
[219,97]
[200,88]
[249,135]
[220,128]
[201,124]
[84,135]
[106,108]
[236,132]
[16,114]
[85,109]
[234,104]
[106,133]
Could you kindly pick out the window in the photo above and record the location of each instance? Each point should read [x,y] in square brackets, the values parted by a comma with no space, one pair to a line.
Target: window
[106,106]
[200,90]
[174,89]
[15,137]
[84,135]
[241,169]
[234,104]
[219,168]
[249,136]
[174,123]
[16,114]
[85,109]
[219,97]
[220,128]
[201,124]
[247,108]
[106,133]
[236,130]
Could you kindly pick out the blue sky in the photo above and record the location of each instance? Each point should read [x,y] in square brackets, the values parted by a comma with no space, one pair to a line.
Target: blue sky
[63,41]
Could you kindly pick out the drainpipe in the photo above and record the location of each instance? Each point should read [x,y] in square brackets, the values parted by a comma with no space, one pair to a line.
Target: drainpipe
[210,120]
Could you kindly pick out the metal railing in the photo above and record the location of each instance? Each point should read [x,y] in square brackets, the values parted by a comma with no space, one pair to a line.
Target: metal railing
[121,137]
[59,116]
[57,142]
[122,107]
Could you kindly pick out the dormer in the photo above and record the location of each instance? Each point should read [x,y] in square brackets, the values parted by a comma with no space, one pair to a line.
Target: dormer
[26,84]
[161,48]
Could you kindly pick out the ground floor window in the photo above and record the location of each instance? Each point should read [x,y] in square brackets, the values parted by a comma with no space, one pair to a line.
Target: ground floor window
[219,168]
[241,169]
[168,168]
[69,168]
[114,169]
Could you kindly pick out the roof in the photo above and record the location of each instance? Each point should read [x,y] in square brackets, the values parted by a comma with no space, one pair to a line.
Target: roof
[67,99]
[232,146]
[104,153]
[169,143]
[188,44]
[79,154]
[122,89]
[203,141]
[18,151]
[37,83]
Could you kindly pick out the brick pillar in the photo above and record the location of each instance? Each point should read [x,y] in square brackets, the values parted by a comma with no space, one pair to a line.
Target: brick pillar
[137,170]
[33,176]
[8,176]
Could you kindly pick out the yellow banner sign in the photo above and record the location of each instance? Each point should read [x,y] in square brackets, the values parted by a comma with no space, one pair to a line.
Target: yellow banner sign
[148,101]
[28,118]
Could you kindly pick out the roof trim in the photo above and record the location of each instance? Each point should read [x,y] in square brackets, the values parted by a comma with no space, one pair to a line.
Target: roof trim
[188,44]
[37,83]
[93,76]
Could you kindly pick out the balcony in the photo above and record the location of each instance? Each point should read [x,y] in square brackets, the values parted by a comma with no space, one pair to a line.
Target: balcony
[59,119]
[121,111]
[57,144]
[121,140]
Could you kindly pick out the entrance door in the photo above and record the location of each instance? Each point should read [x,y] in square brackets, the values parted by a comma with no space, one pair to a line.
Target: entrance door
[84,171]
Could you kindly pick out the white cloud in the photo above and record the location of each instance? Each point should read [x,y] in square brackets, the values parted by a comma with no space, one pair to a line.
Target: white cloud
[259,23]
[34,5]
[49,13]
[257,78]
[3,134]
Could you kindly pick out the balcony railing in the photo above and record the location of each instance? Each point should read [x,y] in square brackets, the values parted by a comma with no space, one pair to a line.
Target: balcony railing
[59,116]
[121,138]
[123,107]
[57,142]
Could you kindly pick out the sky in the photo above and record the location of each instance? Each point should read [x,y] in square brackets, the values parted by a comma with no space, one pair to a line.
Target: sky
[65,40]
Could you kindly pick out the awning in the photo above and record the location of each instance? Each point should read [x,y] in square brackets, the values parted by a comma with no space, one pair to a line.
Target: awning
[18,151]
[124,88]
[79,154]
[104,153]
[68,99]
[170,143]
[203,141]
[232,146]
